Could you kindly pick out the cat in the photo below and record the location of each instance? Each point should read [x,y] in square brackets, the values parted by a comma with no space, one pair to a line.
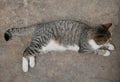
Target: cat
[62,35]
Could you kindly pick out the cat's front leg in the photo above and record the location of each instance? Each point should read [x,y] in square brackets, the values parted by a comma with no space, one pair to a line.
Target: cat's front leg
[82,49]
[109,46]
[107,53]
[103,51]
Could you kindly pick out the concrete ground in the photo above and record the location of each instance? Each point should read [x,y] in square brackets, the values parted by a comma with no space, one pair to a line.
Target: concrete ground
[58,66]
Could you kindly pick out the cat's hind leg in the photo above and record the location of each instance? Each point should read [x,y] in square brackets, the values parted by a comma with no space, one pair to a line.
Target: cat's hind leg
[32,51]
[28,61]
[29,57]
[25,64]
[32,61]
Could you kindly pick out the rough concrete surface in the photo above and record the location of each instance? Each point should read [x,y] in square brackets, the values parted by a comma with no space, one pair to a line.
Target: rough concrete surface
[58,66]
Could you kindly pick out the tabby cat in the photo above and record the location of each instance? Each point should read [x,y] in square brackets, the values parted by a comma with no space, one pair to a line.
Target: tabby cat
[62,35]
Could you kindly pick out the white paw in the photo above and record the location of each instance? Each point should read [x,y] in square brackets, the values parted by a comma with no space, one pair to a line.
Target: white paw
[107,53]
[32,61]
[111,47]
[25,64]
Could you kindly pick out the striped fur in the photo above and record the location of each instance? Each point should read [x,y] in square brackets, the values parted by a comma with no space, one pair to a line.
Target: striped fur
[62,32]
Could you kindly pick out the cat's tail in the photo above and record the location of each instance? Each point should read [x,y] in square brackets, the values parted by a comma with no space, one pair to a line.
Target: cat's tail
[17,31]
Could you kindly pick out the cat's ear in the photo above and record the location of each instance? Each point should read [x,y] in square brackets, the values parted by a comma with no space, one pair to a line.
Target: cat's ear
[107,26]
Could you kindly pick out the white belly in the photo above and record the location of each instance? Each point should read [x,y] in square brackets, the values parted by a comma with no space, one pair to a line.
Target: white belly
[53,46]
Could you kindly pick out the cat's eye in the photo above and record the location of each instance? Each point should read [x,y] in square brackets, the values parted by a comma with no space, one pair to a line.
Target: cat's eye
[100,36]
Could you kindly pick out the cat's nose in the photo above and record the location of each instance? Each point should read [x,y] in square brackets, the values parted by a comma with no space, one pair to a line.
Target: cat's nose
[110,39]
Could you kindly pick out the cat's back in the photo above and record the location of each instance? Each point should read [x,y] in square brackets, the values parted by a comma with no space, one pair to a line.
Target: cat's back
[67,21]
[66,24]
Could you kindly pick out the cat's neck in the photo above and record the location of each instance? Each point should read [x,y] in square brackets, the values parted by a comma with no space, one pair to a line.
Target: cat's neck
[93,44]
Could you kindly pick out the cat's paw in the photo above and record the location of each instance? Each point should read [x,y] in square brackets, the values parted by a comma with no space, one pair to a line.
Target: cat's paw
[107,53]
[25,64]
[32,61]
[100,52]
[28,61]
[111,47]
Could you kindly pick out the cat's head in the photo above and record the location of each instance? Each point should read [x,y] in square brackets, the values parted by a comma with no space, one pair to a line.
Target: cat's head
[102,34]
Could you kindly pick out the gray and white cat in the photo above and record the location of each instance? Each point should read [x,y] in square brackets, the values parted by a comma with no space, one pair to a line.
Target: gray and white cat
[62,35]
